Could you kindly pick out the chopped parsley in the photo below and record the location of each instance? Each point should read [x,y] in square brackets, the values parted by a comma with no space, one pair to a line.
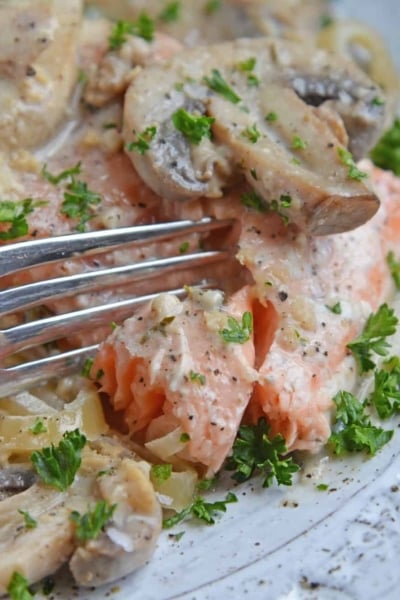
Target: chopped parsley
[18,588]
[271,117]
[184,247]
[386,394]
[30,522]
[212,6]
[90,524]
[206,484]
[201,510]
[326,21]
[353,431]
[66,174]
[236,332]
[247,66]
[78,202]
[38,427]
[253,451]
[378,327]
[298,143]
[254,200]
[347,160]
[14,213]
[58,465]
[184,438]
[386,153]
[87,366]
[78,198]
[394,267]
[197,378]
[142,143]
[171,12]
[193,127]
[218,84]
[322,487]
[336,308]
[161,472]
[378,101]
[251,133]
[143,27]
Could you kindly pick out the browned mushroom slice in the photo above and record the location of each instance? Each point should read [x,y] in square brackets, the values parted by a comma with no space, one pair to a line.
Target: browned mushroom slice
[108,473]
[234,77]
[293,162]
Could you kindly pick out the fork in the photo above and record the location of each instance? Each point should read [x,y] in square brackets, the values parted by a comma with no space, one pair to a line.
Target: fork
[22,255]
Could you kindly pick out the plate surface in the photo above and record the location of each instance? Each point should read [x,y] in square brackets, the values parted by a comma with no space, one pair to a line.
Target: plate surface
[294,543]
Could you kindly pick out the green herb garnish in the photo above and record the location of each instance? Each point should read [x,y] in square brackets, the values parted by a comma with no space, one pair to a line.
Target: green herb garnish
[201,510]
[347,160]
[161,472]
[78,202]
[298,143]
[87,366]
[143,27]
[386,153]
[271,117]
[58,465]
[66,174]
[197,378]
[353,431]
[15,213]
[30,522]
[193,127]
[143,140]
[394,267]
[378,327]
[218,84]
[254,451]
[90,524]
[251,133]
[254,200]
[18,588]
[212,6]
[236,332]
[336,308]
[386,394]
[171,12]
[184,438]
[38,427]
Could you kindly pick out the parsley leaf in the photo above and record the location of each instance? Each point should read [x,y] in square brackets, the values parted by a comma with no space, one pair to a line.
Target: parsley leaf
[15,213]
[58,465]
[171,12]
[238,333]
[353,431]
[386,153]
[336,308]
[218,84]
[201,510]
[38,427]
[197,377]
[193,127]
[271,117]
[212,6]
[30,522]
[90,524]
[251,133]
[18,587]
[143,140]
[254,451]
[394,267]
[386,394]
[347,160]
[143,27]
[77,203]
[254,200]
[161,472]
[378,327]
[298,143]
[67,174]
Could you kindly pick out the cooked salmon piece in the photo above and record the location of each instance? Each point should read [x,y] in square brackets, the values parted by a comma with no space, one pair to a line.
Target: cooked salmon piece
[168,368]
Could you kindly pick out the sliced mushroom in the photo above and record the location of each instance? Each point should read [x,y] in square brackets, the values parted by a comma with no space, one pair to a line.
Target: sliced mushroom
[15,479]
[38,68]
[175,168]
[125,543]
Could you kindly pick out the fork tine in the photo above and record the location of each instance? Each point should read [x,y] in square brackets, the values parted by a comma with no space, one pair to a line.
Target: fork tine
[24,376]
[21,255]
[55,327]
[32,294]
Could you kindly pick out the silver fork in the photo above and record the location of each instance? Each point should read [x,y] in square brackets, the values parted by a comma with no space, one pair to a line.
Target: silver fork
[18,256]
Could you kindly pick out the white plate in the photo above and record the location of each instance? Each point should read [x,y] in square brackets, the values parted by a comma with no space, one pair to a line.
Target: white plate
[290,543]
